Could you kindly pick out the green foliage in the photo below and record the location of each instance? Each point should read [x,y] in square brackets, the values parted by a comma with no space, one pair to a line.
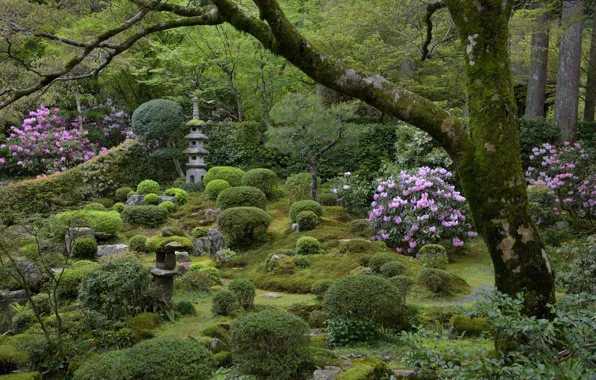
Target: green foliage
[241,196]
[308,245]
[581,277]
[231,175]
[225,302]
[363,297]
[148,187]
[22,376]
[23,319]
[369,368]
[93,206]
[361,228]
[435,280]
[12,358]
[304,309]
[392,269]
[185,308]
[270,344]
[151,199]
[307,220]
[223,359]
[143,324]
[156,243]
[72,278]
[244,290]
[354,193]
[345,331]
[464,325]
[42,302]
[145,216]
[159,358]
[105,224]
[213,273]
[121,194]
[541,204]
[118,207]
[403,284]
[301,261]
[195,281]
[306,205]
[169,206]
[534,133]
[158,119]
[244,225]
[84,248]
[180,194]
[234,144]
[433,256]
[377,261]
[320,287]
[199,232]
[416,148]
[263,179]
[298,186]
[138,243]
[214,187]
[106,202]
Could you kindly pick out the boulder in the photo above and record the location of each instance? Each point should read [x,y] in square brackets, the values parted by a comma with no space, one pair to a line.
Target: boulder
[216,242]
[201,246]
[3,183]
[220,257]
[295,227]
[212,212]
[31,272]
[325,374]
[113,249]
[182,257]
[12,294]
[73,234]
[166,232]
[136,200]
[165,198]
[56,271]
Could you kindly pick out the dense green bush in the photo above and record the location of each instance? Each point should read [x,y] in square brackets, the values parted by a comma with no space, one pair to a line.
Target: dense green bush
[154,359]
[84,248]
[199,232]
[281,264]
[464,325]
[301,261]
[231,175]
[320,287]
[145,216]
[195,281]
[72,277]
[307,220]
[118,207]
[42,303]
[361,228]
[403,284]
[244,290]
[433,256]
[121,194]
[180,194]
[143,324]
[105,224]
[581,277]
[298,186]
[12,358]
[392,269]
[225,302]
[435,280]
[151,199]
[156,243]
[270,344]
[169,206]
[308,245]
[344,331]
[363,297]
[213,273]
[377,261]
[106,202]
[241,196]
[306,205]
[185,308]
[235,143]
[216,186]
[148,186]
[93,206]
[541,203]
[157,118]
[22,320]
[263,179]
[534,133]
[244,225]
[138,243]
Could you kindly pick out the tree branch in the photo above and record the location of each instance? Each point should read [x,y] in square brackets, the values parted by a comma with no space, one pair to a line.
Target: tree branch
[431,8]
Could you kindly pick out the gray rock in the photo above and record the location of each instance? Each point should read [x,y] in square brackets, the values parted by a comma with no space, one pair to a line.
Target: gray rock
[216,242]
[201,246]
[211,212]
[220,257]
[3,183]
[73,234]
[563,225]
[216,345]
[113,249]
[271,295]
[404,372]
[12,294]
[136,200]
[183,267]
[166,232]
[325,374]
[31,272]
[165,198]
[295,227]
[182,257]
[56,271]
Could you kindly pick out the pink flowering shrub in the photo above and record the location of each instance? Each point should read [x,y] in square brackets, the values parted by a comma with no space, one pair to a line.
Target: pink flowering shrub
[46,144]
[419,207]
[569,174]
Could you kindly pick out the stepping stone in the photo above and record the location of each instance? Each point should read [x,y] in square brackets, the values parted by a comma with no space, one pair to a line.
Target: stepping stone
[114,249]
[271,295]
[136,200]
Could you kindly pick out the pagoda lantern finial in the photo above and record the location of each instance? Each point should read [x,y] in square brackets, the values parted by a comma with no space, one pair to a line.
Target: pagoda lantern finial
[195,108]
[196,151]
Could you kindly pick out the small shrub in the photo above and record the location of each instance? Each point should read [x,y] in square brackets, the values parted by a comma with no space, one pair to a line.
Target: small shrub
[105,224]
[270,344]
[225,302]
[435,280]
[118,207]
[138,243]
[72,277]
[392,269]
[298,186]
[361,228]
[121,194]
[306,205]
[42,302]
[169,206]
[143,324]
[433,256]
[472,327]
[146,216]
[199,232]
[84,248]
[284,265]
[301,261]
[320,287]
[241,196]
[308,245]
[185,308]
[244,225]
[213,188]
[403,284]
[217,331]
[367,368]
[307,220]
[180,194]
[347,331]
[377,261]
[193,281]
[213,273]
[148,187]
[156,243]
[263,179]
[223,359]
[23,319]
[93,206]
[151,199]
[231,175]
[244,290]
[106,202]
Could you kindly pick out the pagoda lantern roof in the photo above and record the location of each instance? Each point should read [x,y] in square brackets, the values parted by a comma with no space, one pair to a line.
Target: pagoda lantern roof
[196,150]
[196,136]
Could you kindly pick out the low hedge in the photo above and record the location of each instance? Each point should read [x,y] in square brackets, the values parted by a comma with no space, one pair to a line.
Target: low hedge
[105,224]
[241,196]
[146,216]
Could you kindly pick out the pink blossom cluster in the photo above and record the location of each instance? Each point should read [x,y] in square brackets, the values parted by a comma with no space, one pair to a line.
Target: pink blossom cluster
[419,207]
[45,144]
[569,174]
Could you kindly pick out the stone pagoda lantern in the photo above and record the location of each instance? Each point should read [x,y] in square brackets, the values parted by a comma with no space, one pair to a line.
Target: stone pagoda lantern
[196,151]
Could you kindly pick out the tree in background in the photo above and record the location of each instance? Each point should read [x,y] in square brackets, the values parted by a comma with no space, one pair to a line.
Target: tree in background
[536,94]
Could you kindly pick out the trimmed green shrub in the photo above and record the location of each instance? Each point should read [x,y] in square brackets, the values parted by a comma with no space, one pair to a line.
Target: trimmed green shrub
[270,344]
[153,359]
[307,220]
[403,284]
[169,206]
[145,216]
[244,290]
[106,202]
[199,232]
[180,194]
[225,302]
[392,269]
[195,281]
[320,287]
[435,280]
[308,245]
[244,225]
[155,243]
[23,319]
[72,277]
[138,243]
[212,272]
[363,297]
[307,205]
[121,194]
[263,179]
[151,199]
[377,261]
[361,228]
[464,325]
[301,261]
[303,309]
[231,175]
[185,308]
[433,256]
[118,207]
[94,206]
[143,324]
[213,188]
[105,224]
[369,368]
[241,196]
[84,248]
[148,186]
[217,331]
[345,331]
[158,118]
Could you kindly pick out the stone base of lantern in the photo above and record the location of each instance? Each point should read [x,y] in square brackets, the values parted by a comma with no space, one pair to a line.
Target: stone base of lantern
[163,280]
[195,175]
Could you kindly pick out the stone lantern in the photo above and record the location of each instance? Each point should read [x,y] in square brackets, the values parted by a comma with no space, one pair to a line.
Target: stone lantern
[165,270]
[196,151]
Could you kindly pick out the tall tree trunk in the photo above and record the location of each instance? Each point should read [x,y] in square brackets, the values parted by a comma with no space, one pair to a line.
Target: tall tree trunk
[590,103]
[567,95]
[538,66]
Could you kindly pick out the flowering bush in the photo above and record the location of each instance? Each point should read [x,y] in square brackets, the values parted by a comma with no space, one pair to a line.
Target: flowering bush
[569,174]
[419,207]
[353,193]
[46,144]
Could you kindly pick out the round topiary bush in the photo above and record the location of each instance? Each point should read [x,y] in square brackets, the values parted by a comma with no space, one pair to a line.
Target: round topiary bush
[308,245]
[93,206]
[157,118]
[213,188]
[361,228]
[364,297]
[320,287]
[137,243]
[307,205]
[263,179]
[433,256]
[392,269]
[118,207]
[241,196]
[146,216]
[377,261]
[270,344]
[435,280]
[180,194]
[244,290]
[280,264]
[148,187]
[231,175]
[84,248]
[121,194]
[199,232]
[225,302]
[244,225]
[151,199]
[167,205]
[307,220]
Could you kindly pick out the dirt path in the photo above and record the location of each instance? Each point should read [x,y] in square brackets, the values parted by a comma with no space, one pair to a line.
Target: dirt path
[473,297]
